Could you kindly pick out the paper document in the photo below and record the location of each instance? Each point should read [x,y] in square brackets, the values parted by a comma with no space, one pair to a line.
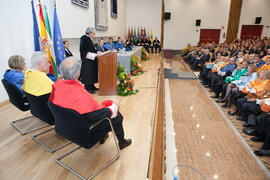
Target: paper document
[91,56]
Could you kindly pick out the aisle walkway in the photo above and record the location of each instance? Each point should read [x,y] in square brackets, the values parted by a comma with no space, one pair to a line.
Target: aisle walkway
[204,140]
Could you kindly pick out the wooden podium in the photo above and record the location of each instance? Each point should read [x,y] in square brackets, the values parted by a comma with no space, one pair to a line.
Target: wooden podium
[107,73]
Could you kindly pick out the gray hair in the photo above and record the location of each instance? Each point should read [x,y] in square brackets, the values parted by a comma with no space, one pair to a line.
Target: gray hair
[89,30]
[69,68]
[36,58]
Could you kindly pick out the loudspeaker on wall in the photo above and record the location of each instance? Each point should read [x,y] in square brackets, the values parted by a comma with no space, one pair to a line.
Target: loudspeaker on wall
[258,20]
[198,22]
[167,16]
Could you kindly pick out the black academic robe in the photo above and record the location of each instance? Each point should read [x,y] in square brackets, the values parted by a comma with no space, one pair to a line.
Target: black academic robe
[89,70]
[68,53]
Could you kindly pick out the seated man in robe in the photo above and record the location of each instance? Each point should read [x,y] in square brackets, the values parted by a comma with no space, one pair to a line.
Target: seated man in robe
[146,44]
[36,82]
[109,46]
[70,93]
[119,44]
[140,42]
[156,45]
[15,74]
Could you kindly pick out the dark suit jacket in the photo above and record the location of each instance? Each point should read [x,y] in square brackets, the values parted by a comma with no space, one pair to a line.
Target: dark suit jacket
[68,53]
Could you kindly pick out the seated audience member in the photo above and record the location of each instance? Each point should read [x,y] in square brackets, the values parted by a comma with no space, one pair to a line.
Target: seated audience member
[139,42]
[132,41]
[109,46]
[265,66]
[15,74]
[70,93]
[257,89]
[258,62]
[262,131]
[66,46]
[119,44]
[229,84]
[100,46]
[36,82]
[157,46]
[146,44]
[129,44]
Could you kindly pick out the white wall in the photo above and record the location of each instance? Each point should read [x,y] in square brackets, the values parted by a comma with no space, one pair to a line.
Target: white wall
[252,9]
[181,30]
[145,13]
[16,32]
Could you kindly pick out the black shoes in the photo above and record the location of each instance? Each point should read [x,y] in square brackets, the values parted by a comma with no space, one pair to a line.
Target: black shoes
[257,139]
[240,118]
[214,96]
[125,144]
[262,152]
[95,89]
[231,114]
[102,141]
[249,131]
[91,91]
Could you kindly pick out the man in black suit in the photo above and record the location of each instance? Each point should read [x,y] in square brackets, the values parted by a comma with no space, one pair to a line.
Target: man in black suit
[200,60]
[156,45]
[66,46]
[89,70]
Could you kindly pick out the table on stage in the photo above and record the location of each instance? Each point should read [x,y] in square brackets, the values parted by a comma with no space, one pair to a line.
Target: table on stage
[124,57]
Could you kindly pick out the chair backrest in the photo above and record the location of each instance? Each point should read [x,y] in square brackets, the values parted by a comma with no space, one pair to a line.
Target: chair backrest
[16,97]
[39,107]
[74,127]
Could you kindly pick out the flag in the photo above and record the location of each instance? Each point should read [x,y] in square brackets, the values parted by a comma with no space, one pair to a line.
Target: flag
[58,41]
[35,29]
[48,29]
[134,34]
[151,35]
[141,33]
[148,33]
[138,33]
[44,40]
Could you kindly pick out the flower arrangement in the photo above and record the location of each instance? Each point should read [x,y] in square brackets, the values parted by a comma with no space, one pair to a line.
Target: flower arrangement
[135,66]
[126,84]
[145,55]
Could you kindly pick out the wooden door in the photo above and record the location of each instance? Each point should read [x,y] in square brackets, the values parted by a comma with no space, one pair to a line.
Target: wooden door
[209,35]
[251,31]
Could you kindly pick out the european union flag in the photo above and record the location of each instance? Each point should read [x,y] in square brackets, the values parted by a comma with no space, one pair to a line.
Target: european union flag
[58,41]
[35,29]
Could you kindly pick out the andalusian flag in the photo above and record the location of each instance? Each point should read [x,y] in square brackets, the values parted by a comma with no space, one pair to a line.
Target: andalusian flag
[134,34]
[58,41]
[48,29]
[44,41]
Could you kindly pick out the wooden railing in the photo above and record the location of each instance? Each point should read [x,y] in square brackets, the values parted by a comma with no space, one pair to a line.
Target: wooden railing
[156,159]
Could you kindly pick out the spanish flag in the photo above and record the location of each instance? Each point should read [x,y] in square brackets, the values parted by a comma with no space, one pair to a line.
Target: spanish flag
[44,42]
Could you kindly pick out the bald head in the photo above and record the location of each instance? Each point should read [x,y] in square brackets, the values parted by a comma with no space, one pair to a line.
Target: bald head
[70,68]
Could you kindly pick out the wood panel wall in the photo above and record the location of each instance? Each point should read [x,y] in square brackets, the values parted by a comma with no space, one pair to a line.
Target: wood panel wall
[155,171]
[162,23]
[234,18]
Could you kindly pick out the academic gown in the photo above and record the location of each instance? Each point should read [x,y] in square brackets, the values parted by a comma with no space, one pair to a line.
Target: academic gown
[89,69]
